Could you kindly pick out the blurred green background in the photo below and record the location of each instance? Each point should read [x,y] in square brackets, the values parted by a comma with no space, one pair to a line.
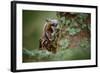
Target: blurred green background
[33,22]
[74,42]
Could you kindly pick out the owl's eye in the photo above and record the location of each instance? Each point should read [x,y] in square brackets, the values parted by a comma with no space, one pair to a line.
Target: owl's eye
[54,25]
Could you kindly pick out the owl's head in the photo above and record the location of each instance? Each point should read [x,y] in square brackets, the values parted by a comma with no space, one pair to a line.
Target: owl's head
[52,22]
